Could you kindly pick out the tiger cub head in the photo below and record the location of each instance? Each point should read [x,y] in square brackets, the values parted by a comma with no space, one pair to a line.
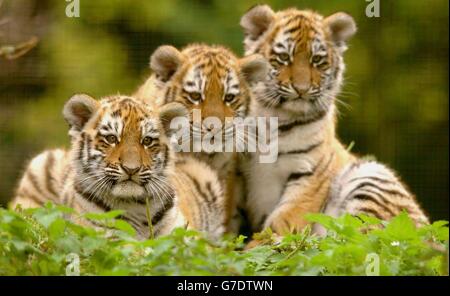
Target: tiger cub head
[119,145]
[305,51]
[209,79]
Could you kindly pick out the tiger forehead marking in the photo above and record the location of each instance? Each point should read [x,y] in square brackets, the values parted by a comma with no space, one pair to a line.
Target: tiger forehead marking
[126,116]
[211,70]
[292,30]
[199,80]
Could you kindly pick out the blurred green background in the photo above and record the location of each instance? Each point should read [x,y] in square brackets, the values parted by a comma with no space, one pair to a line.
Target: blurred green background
[396,80]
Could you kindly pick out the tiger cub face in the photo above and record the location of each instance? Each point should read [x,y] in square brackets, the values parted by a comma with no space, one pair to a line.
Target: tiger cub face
[209,79]
[120,151]
[305,51]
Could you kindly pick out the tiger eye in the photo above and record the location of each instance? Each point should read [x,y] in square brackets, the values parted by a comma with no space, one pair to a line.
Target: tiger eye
[147,141]
[195,96]
[316,59]
[274,63]
[229,98]
[111,139]
[284,57]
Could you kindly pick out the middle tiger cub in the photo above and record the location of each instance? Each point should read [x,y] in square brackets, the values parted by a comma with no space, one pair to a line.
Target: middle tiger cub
[212,81]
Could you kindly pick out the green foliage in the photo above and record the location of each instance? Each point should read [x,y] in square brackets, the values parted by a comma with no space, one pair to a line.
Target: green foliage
[39,241]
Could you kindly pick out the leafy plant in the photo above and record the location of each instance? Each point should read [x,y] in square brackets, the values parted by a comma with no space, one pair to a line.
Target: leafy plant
[43,241]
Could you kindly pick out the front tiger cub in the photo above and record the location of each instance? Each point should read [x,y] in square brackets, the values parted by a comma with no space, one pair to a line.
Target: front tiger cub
[210,80]
[314,171]
[121,159]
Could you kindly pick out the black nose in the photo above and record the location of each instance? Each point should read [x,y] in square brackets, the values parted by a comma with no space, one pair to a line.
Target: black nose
[130,170]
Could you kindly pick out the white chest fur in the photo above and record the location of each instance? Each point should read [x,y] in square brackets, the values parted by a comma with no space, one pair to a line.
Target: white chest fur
[266,182]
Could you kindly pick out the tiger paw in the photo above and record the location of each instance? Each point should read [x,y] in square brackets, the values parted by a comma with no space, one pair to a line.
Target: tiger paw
[285,222]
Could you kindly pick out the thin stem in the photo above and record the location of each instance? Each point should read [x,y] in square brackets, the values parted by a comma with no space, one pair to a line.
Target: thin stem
[149,218]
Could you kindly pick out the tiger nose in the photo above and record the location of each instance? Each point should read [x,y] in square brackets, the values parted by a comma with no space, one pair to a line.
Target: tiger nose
[301,88]
[131,169]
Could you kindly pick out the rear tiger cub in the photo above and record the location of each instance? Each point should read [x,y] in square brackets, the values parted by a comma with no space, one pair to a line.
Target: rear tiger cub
[314,171]
[120,158]
[212,80]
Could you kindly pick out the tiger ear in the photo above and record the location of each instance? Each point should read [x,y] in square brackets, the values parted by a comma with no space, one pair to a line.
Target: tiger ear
[341,26]
[170,111]
[255,22]
[79,109]
[165,61]
[254,68]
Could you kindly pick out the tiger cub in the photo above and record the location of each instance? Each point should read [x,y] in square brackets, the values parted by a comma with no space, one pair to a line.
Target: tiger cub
[314,171]
[210,80]
[120,158]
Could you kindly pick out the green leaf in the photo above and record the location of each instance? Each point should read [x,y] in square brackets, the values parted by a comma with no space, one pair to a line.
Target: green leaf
[103,216]
[402,228]
[56,229]
[124,226]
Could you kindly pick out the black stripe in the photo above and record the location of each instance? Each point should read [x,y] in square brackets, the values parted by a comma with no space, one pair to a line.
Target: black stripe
[166,95]
[370,184]
[166,156]
[199,190]
[366,197]
[117,113]
[211,193]
[299,175]
[327,165]
[300,122]
[302,151]
[65,176]
[368,190]
[293,29]
[33,179]
[26,194]
[247,105]
[258,49]
[157,217]
[203,215]
[369,211]
[323,171]
[296,176]
[130,200]
[133,222]
[173,94]
[93,199]
[292,19]
[80,149]
[88,147]
[48,176]
[384,181]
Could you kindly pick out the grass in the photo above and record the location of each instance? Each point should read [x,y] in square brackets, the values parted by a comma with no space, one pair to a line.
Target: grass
[43,242]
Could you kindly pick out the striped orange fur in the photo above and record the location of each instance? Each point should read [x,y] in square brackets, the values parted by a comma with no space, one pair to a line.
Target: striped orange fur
[121,159]
[314,171]
[210,79]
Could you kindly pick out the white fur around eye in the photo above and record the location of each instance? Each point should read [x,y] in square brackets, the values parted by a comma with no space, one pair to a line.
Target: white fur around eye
[231,84]
[190,86]
[149,128]
[111,125]
[194,80]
